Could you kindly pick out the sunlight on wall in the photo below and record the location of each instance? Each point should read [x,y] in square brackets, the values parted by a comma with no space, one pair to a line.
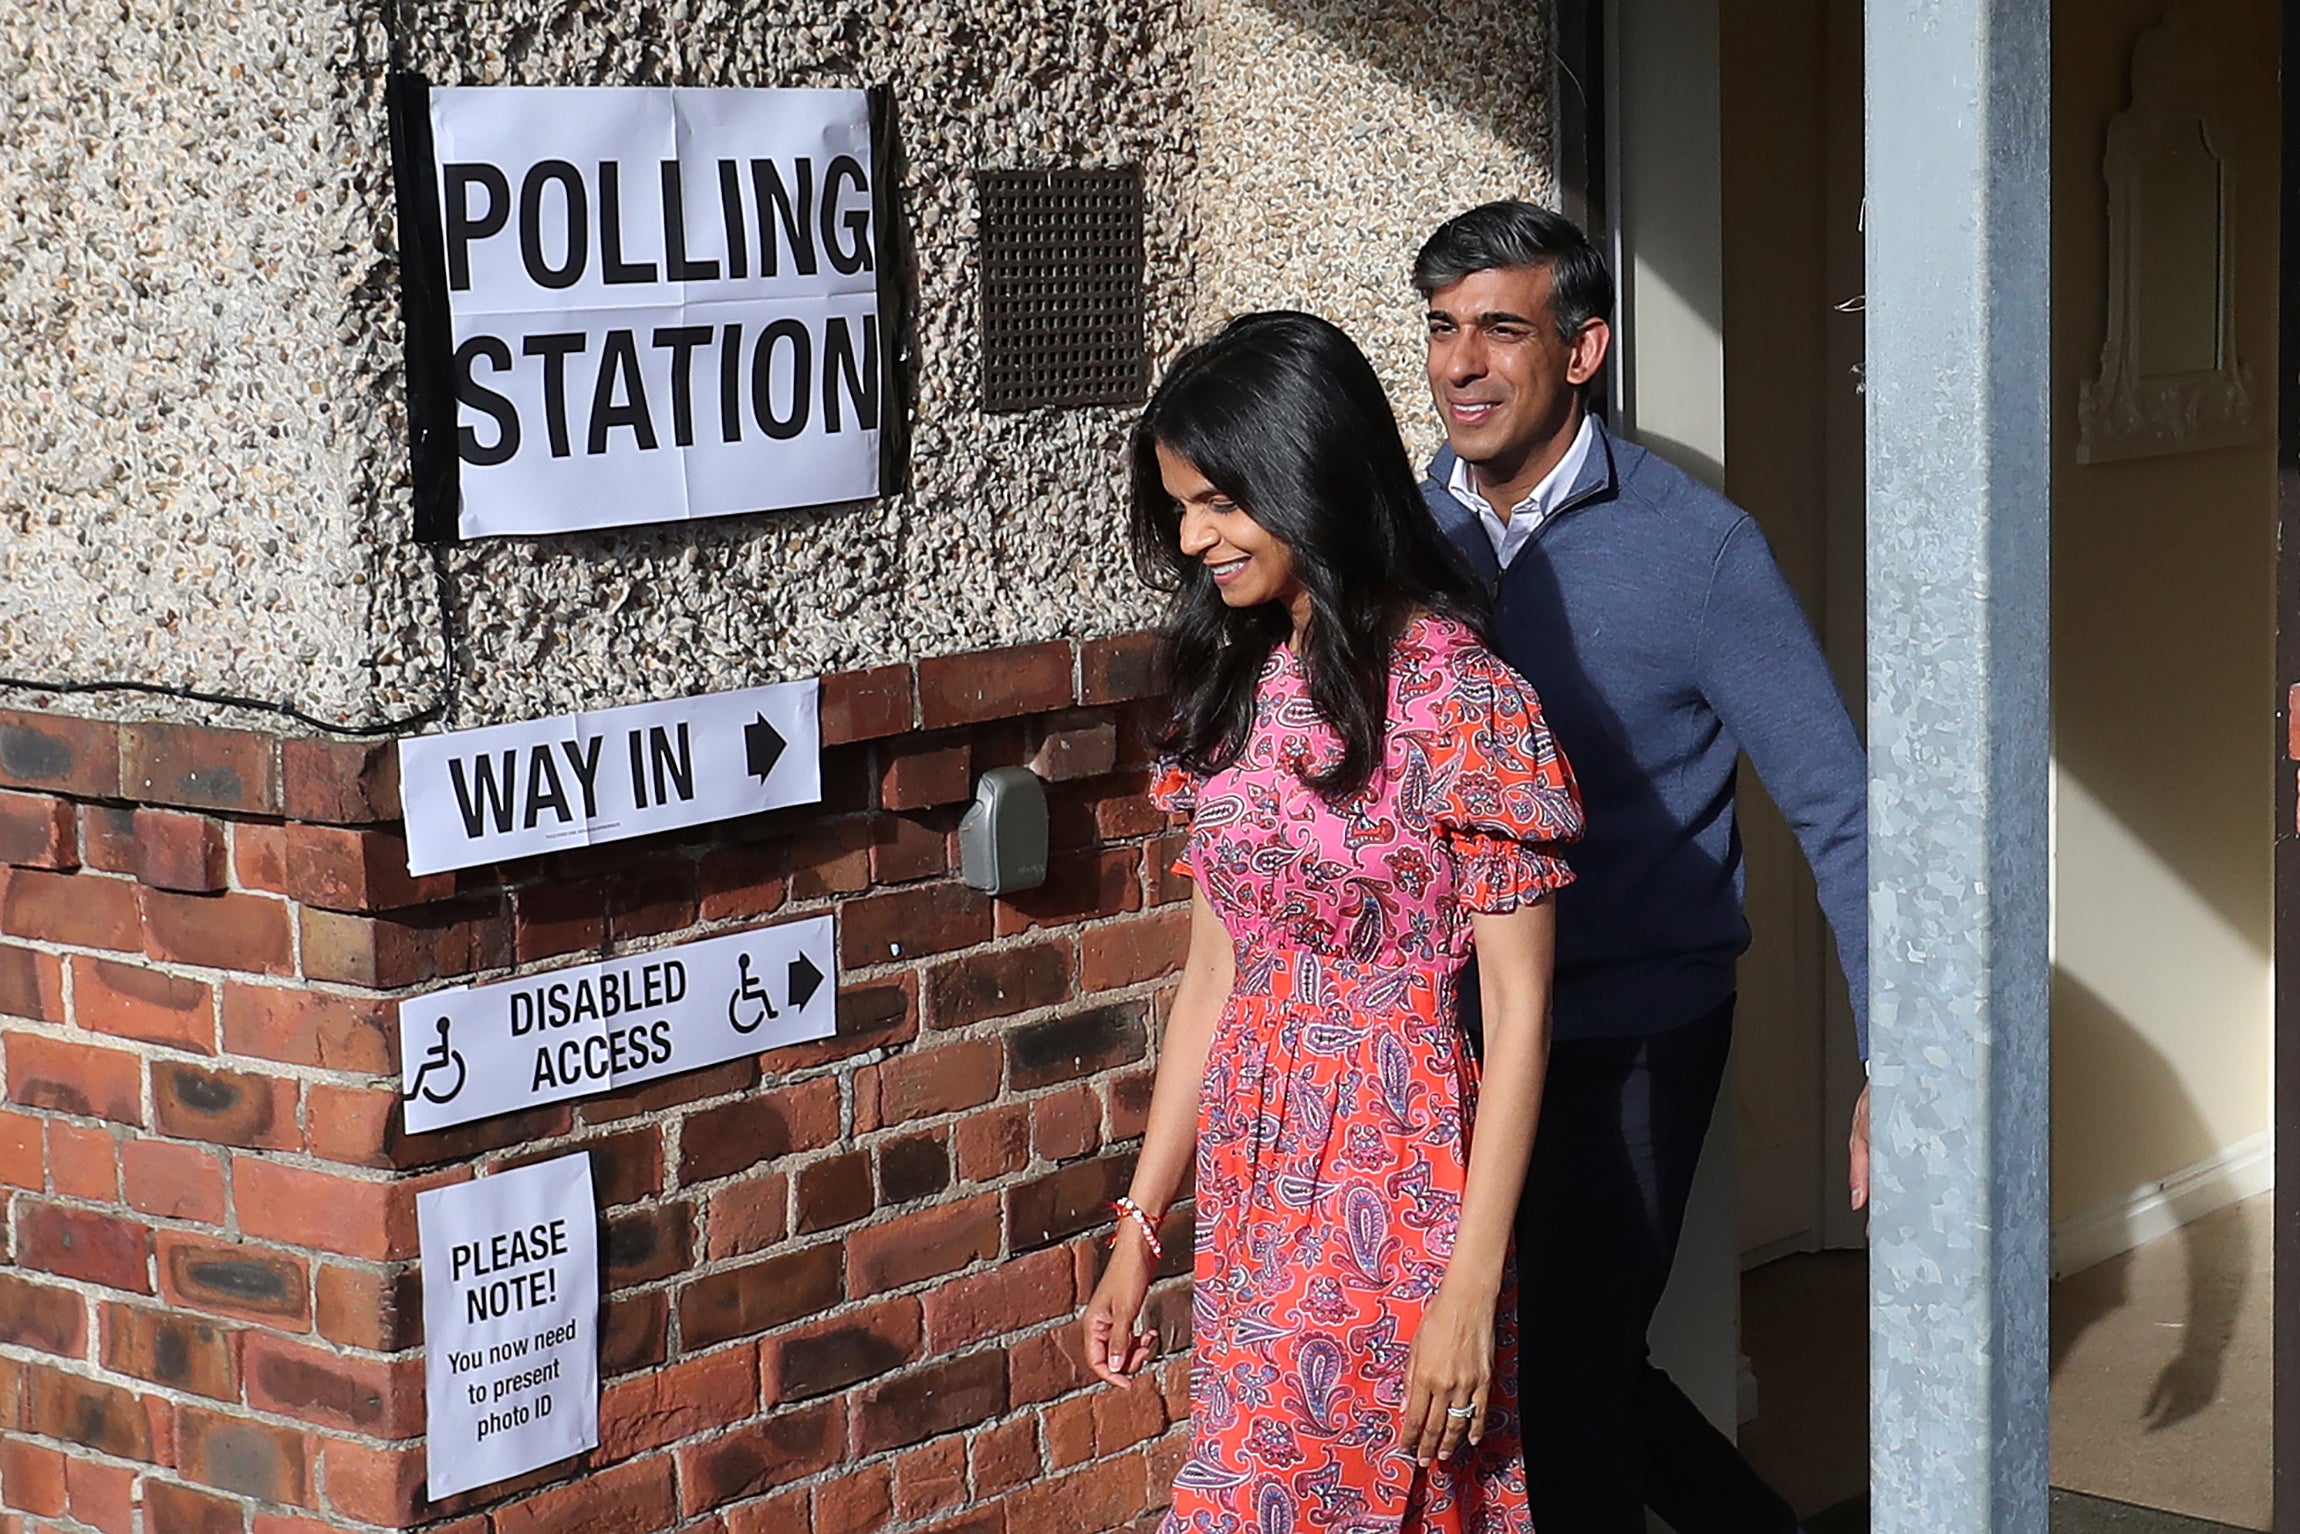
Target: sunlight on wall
[2161,1045]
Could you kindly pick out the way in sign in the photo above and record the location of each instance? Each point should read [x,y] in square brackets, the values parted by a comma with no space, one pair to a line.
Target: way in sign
[503,791]
[488,791]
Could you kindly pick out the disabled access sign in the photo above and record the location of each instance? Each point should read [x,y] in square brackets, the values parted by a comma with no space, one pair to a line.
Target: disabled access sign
[475,1051]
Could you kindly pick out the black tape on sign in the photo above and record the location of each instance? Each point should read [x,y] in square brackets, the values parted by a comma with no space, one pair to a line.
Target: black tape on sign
[896,292]
[431,416]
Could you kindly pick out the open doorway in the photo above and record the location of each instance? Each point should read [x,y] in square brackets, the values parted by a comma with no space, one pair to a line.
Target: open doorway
[2164,559]
[2166,804]
[2170,798]
[1730,171]
[1791,170]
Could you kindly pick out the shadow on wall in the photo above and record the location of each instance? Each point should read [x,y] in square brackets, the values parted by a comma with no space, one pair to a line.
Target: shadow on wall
[2092,1038]
[1334,135]
[1695,461]
[2163,567]
[1439,49]
[2160,995]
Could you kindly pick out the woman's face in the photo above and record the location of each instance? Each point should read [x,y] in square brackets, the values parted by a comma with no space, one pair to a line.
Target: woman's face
[1248,565]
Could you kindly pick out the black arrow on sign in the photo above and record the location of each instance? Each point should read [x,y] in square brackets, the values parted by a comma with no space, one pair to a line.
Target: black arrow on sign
[805,981]
[763,746]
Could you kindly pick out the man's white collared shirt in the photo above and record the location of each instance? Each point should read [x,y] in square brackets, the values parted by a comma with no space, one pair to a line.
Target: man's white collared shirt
[1526,517]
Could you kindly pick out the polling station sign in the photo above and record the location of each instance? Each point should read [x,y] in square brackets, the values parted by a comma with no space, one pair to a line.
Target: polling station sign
[474,1051]
[510,1322]
[539,785]
[641,304]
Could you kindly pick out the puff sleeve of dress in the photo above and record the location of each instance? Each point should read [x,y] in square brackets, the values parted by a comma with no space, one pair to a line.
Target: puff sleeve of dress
[1175,790]
[1505,801]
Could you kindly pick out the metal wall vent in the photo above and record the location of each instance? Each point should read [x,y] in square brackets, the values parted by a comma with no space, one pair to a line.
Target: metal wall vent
[1062,297]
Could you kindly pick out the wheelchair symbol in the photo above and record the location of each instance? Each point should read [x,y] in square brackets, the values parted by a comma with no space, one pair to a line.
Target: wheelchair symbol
[749,991]
[437,1058]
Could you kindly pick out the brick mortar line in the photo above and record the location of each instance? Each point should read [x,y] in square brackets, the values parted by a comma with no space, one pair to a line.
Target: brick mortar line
[1078,642]
[916,1289]
[299,1160]
[997,1342]
[1032,1412]
[1134,991]
[72,1031]
[665,1115]
[790,910]
[848,1465]
[323,1075]
[123,1211]
[159,1051]
[849,1138]
[228,1168]
[634,947]
[670,1284]
[671,1124]
[712,1266]
[89,1287]
[260,980]
[842,1396]
[173,1475]
[95,1372]
[90,1290]
[855,1139]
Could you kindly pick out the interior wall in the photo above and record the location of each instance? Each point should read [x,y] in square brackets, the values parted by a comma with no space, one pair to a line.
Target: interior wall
[1793,433]
[1670,355]
[2163,682]
[1670,365]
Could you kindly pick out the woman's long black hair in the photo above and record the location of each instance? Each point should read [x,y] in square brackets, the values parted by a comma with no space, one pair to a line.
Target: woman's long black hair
[1283,414]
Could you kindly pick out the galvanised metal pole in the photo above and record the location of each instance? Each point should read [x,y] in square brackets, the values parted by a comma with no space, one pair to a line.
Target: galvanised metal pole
[1959,274]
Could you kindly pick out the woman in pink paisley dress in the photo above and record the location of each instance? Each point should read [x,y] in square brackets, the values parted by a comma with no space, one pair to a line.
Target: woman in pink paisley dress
[1373,798]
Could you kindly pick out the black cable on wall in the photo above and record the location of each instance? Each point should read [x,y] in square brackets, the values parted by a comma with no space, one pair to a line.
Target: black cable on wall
[394,32]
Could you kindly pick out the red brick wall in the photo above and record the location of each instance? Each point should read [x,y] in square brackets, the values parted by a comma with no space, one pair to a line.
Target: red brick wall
[840,1278]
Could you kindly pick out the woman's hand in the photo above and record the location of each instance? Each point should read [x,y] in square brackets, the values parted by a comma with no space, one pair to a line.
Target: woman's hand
[1113,1349]
[1450,1368]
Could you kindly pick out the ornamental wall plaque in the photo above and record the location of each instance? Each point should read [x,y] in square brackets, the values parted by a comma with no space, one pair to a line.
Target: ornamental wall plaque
[2170,380]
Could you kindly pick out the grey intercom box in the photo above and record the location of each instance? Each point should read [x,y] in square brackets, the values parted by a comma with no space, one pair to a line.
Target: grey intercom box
[1002,839]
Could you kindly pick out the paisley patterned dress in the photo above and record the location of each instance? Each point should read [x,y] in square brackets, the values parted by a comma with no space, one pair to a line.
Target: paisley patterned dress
[1339,1093]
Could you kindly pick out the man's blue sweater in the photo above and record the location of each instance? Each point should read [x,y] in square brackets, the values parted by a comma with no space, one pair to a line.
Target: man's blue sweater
[1663,640]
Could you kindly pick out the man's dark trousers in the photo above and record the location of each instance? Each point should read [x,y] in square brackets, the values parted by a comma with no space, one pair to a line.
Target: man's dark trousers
[1606,1433]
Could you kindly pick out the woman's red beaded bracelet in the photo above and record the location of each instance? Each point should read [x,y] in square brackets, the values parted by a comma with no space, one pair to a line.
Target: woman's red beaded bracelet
[1127,1209]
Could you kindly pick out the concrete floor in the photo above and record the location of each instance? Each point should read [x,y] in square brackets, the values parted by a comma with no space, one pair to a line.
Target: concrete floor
[2072,1513]
[2161,1383]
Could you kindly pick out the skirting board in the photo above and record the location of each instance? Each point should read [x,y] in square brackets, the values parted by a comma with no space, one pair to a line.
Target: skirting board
[2160,1208]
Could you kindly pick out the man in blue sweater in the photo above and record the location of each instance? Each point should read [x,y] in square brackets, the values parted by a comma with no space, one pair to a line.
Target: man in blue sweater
[1649,615]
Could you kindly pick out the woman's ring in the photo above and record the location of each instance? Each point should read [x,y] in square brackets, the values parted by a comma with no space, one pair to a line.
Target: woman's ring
[1461,1411]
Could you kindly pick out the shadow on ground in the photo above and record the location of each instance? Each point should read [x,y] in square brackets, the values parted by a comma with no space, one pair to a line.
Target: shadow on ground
[2072,1513]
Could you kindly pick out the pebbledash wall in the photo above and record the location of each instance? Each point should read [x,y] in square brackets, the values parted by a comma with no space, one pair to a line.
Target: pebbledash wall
[841,1280]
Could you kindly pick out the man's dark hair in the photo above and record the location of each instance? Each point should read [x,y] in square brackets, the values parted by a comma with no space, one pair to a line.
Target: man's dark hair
[1511,234]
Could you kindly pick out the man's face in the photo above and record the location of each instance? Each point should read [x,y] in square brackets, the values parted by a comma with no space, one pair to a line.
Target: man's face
[1506,384]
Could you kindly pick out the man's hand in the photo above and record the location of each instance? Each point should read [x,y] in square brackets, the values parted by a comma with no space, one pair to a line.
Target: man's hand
[1858,1144]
